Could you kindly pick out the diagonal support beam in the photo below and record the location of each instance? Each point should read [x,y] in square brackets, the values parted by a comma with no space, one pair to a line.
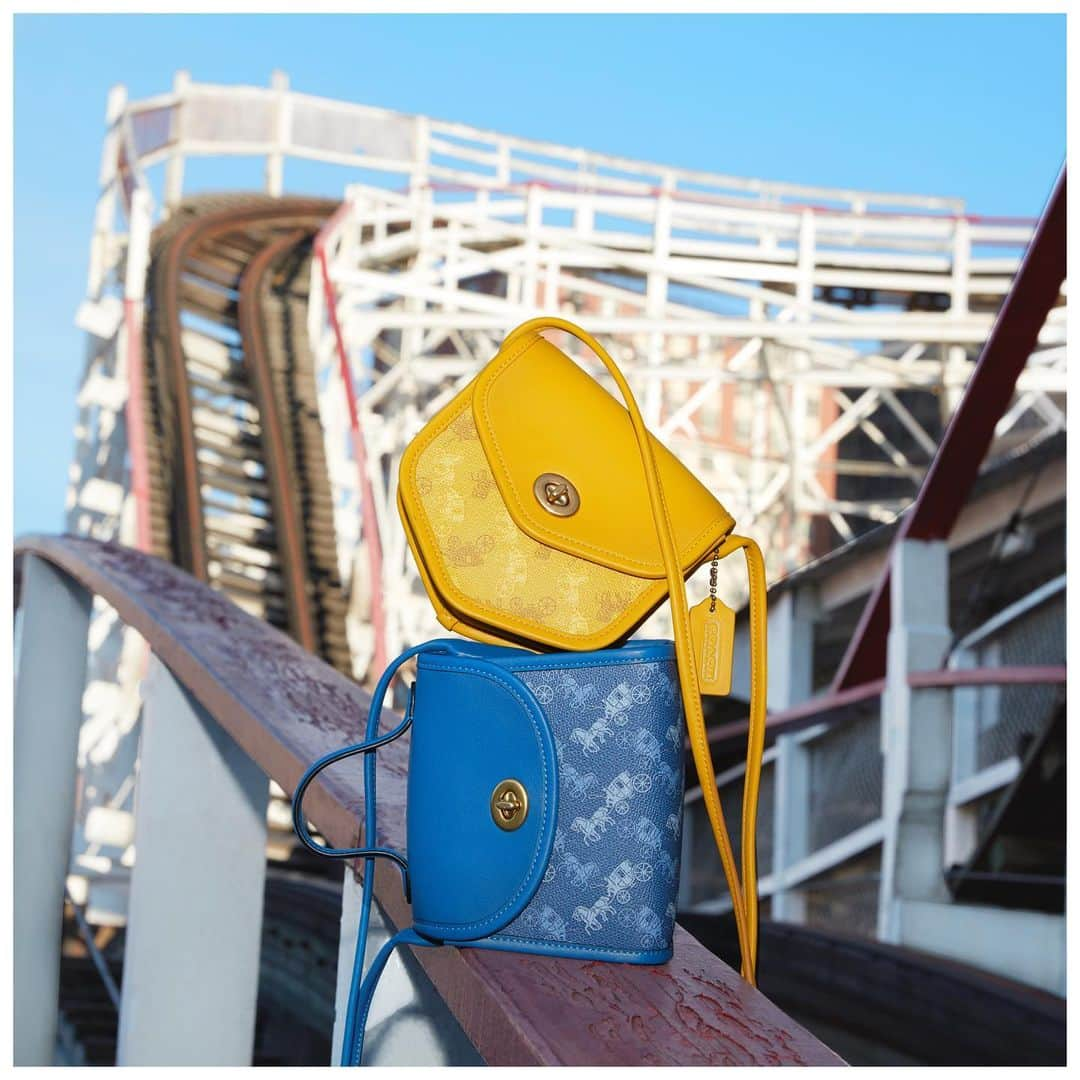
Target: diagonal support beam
[956,465]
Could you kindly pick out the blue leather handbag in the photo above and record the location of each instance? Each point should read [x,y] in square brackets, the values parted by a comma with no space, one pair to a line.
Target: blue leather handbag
[556,827]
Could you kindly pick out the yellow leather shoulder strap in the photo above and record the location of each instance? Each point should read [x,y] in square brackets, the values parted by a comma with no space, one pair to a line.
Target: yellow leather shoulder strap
[743,895]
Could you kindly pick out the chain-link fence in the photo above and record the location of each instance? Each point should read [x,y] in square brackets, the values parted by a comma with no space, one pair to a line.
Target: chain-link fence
[845,780]
[837,772]
[704,876]
[846,897]
[1002,720]
[842,767]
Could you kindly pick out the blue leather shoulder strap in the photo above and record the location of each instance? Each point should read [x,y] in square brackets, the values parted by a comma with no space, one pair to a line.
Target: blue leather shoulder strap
[523,715]
[362,991]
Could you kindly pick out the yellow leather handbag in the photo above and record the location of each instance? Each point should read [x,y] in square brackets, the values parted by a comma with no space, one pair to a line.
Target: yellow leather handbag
[542,513]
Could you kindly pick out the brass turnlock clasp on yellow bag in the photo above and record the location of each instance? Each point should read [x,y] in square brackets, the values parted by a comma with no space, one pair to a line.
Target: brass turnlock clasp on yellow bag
[542,513]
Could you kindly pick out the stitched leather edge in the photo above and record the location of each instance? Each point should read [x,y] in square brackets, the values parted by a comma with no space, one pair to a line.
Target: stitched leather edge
[546,947]
[561,664]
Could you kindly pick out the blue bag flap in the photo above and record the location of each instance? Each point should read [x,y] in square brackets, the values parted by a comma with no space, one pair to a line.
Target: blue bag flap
[475,725]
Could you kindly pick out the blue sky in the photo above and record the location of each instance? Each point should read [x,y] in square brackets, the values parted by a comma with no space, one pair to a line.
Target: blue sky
[969,105]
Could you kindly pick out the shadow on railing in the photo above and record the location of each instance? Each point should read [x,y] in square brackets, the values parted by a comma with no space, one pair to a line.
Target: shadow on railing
[229,702]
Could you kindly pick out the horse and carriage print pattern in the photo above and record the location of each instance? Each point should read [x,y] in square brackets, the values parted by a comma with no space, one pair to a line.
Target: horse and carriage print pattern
[611,880]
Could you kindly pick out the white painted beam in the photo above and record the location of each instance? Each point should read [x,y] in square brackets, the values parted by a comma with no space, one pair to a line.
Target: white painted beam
[409,1023]
[1028,946]
[191,965]
[791,647]
[50,674]
[916,733]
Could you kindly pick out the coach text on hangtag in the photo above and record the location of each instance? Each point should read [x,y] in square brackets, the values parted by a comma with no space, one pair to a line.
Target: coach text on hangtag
[712,630]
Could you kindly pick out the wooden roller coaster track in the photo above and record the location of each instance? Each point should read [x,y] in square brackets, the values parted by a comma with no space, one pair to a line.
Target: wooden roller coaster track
[239,493]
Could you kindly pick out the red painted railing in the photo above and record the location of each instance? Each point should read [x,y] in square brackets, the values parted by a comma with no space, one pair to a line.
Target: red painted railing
[817,709]
[1033,675]
[369,521]
[135,421]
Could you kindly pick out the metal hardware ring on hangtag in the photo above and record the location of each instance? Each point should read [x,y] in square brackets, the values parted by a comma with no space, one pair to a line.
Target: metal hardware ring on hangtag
[509,805]
[556,494]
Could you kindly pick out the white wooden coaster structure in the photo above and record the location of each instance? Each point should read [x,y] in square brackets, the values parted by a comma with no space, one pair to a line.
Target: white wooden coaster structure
[785,340]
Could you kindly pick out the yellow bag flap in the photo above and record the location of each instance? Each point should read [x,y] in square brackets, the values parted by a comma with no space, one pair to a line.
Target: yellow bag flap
[536,413]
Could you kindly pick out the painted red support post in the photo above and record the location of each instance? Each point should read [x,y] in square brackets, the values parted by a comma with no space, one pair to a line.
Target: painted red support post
[956,465]
[369,523]
[136,425]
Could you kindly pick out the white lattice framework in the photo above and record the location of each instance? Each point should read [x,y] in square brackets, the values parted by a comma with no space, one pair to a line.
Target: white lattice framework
[759,336]
[763,325]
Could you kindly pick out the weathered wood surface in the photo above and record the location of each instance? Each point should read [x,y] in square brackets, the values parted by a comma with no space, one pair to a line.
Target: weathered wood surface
[285,707]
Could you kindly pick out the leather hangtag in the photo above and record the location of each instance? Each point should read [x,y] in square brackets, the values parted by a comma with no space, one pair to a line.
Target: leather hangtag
[712,630]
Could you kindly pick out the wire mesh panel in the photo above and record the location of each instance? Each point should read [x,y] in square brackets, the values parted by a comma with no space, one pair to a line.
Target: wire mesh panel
[702,875]
[846,897]
[703,872]
[1008,716]
[845,780]
[152,129]
[731,796]
[1036,637]
[345,130]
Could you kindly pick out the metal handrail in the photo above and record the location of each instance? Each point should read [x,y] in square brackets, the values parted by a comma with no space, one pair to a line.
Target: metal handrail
[815,711]
[1014,675]
[805,714]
